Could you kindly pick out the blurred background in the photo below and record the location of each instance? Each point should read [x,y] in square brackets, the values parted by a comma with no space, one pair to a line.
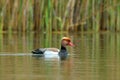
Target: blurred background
[59,15]
[92,25]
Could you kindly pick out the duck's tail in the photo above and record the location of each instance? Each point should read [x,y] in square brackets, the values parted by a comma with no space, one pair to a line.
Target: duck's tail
[39,51]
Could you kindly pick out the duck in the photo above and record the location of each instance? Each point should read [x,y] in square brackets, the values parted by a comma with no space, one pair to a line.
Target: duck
[55,52]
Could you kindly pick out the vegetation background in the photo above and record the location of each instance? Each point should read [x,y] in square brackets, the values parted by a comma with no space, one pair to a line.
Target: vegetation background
[59,15]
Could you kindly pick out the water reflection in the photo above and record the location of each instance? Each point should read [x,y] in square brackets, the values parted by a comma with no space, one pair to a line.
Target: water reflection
[95,57]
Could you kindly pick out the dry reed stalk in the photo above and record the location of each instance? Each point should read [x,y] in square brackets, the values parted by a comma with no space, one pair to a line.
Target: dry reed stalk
[14,17]
[6,11]
[36,14]
[68,12]
[24,15]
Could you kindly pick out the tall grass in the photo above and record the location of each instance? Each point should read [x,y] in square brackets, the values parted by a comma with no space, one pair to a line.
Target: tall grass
[59,15]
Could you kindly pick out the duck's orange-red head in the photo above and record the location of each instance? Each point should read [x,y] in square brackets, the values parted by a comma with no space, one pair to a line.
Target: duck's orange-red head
[68,40]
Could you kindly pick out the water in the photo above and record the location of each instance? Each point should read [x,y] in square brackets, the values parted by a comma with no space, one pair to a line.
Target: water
[94,57]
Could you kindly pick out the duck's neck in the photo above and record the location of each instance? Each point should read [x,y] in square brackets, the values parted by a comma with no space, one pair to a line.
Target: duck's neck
[63,48]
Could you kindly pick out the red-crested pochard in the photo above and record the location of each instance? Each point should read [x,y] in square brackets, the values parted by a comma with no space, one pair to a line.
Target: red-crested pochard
[66,41]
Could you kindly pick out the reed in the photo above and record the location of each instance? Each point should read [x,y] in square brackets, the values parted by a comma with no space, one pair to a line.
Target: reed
[59,15]
[48,18]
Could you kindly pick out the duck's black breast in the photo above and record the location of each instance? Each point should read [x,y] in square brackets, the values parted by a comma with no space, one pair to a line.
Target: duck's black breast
[63,52]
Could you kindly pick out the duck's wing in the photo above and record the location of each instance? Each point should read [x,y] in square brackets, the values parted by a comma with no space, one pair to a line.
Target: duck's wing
[43,50]
[52,49]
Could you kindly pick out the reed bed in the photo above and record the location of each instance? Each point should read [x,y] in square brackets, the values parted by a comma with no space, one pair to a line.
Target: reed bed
[59,15]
